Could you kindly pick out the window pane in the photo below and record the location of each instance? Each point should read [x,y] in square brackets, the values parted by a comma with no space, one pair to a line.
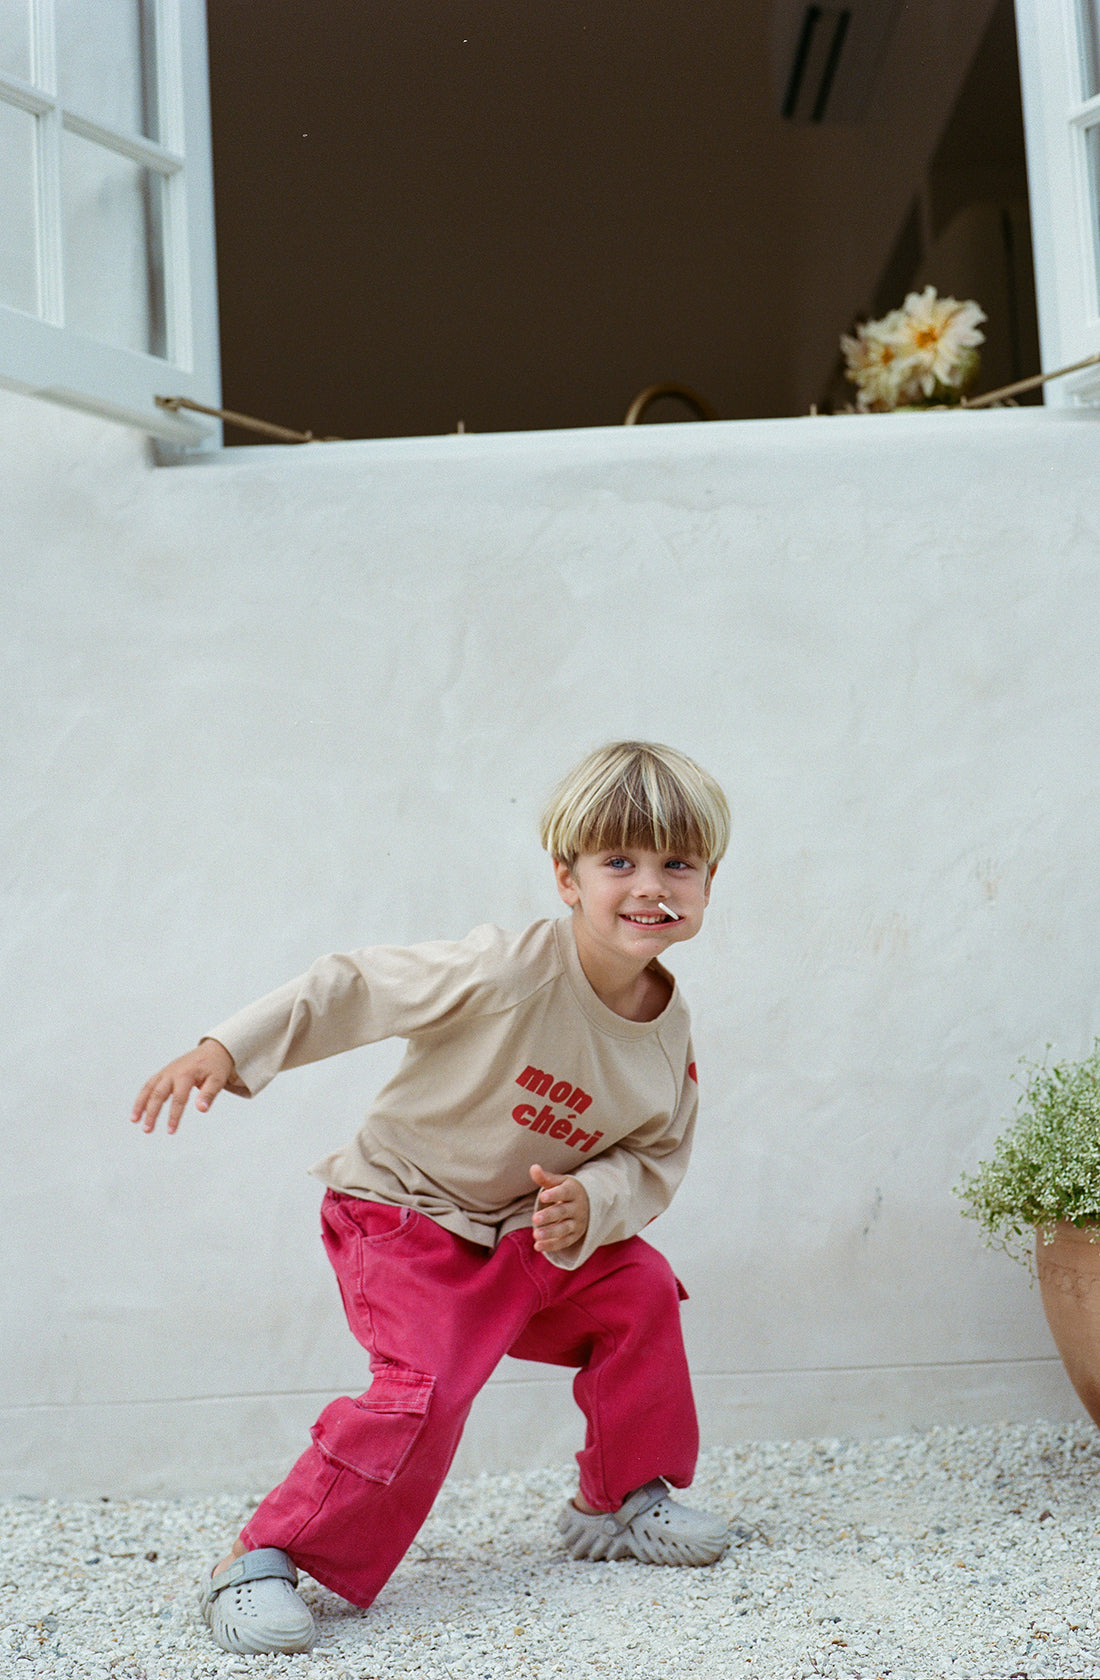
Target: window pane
[15,38]
[113,224]
[18,264]
[1092,144]
[1088,21]
[106,63]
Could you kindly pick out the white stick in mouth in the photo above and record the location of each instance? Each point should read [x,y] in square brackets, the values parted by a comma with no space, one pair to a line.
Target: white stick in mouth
[667,911]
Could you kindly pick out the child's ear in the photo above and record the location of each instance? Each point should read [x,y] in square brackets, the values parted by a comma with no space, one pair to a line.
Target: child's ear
[568,891]
[710,878]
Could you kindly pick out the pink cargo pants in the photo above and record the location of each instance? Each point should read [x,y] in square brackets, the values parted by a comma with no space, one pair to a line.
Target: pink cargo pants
[436,1314]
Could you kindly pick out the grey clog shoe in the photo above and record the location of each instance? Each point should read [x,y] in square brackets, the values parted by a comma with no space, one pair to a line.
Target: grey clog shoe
[649,1526]
[252,1607]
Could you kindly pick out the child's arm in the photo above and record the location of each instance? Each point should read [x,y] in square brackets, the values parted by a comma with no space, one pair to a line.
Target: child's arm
[208,1069]
[342,1001]
[628,1185]
[350,998]
[561,1211]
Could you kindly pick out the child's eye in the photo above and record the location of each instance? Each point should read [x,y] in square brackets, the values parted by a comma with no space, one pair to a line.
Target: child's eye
[618,863]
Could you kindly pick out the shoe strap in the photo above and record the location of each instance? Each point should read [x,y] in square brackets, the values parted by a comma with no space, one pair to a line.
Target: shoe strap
[266,1563]
[642,1499]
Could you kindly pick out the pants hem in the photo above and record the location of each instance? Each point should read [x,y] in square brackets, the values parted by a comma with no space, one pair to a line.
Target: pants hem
[326,1579]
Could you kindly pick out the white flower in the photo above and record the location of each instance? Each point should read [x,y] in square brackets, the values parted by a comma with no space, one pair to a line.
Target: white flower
[926,348]
[935,338]
[873,363]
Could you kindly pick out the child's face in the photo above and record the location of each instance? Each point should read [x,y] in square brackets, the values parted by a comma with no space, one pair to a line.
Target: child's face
[615,897]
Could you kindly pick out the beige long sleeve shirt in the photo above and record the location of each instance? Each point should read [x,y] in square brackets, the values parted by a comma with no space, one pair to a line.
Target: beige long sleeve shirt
[511,1059]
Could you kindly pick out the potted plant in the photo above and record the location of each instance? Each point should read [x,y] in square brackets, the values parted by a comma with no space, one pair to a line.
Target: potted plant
[1039,1194]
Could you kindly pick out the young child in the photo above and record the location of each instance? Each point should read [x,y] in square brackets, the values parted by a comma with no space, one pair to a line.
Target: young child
[490,1204]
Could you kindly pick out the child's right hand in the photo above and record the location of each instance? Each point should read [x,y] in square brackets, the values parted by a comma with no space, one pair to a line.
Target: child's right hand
[208,1069]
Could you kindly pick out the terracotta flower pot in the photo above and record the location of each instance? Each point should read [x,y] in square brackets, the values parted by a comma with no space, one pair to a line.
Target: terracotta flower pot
[1069,1283]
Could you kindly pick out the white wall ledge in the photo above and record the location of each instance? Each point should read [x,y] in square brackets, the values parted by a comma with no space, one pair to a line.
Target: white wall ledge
[665,441]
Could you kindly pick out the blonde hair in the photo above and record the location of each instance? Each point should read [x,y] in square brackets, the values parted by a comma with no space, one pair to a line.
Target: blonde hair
[636,794]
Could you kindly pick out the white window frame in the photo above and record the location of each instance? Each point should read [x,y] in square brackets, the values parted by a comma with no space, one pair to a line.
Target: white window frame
[1065,214]
[39,354]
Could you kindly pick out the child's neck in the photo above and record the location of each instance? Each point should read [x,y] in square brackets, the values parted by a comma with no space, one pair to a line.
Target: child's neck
[635,993]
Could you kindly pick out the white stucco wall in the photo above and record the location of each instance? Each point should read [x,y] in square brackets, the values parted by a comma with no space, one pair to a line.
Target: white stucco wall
[289,701]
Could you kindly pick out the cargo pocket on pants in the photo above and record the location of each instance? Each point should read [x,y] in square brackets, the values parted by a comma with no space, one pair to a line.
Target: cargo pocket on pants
[373,1436]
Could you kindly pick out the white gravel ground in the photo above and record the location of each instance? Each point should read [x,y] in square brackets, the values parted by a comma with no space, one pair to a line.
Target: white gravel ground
[960,1551]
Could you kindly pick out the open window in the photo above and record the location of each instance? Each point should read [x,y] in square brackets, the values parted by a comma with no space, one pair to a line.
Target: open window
[107,286]
[502,218]
[107,277]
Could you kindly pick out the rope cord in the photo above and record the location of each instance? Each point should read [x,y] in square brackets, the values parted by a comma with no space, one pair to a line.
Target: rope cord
[245,421]
[1026,384]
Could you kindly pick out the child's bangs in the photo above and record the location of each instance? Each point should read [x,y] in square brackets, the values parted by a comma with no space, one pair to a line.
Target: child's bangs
[636,795]
[648,813]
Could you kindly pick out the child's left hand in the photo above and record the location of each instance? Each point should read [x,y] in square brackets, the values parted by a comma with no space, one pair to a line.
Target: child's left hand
[561,1211]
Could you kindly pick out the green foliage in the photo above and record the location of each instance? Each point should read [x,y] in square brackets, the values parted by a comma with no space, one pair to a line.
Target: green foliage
[1046,1167]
